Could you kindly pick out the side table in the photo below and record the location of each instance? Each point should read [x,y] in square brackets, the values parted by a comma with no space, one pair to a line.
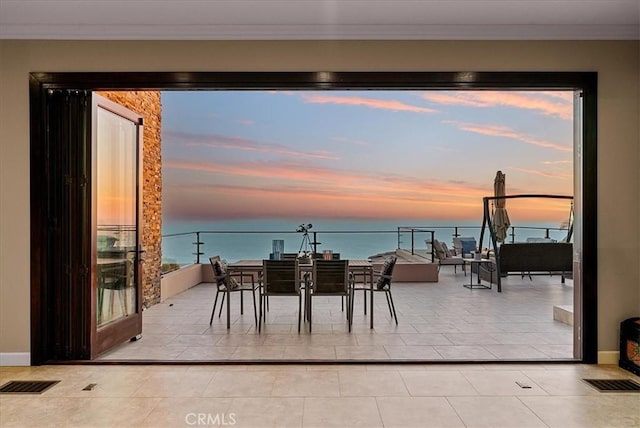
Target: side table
[479,263]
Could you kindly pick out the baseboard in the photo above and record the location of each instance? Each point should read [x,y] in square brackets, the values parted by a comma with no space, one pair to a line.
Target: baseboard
[608,357]
[15,359]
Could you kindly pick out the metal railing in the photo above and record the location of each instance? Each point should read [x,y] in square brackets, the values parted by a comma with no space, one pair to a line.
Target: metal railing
[547,232]
[414,233]
[239,244]
[262,239]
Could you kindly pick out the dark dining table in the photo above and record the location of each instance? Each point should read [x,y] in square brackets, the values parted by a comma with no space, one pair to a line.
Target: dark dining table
[362,268]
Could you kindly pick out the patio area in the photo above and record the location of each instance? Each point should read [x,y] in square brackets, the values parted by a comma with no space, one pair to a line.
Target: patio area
[441,321]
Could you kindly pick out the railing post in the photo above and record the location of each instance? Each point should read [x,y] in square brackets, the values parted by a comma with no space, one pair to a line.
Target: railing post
[547,233]
[412,246]
[315,242]
[398,236]
[198,253]
[513,235]
[433,253]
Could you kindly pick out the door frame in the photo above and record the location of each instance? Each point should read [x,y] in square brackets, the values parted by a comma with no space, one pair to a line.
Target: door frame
[322,80]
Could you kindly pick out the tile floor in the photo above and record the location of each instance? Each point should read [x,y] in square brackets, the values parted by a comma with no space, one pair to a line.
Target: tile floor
[341,395]
[441,321]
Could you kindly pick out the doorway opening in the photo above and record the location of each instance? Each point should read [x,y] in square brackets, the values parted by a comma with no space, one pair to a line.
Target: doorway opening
[582,82]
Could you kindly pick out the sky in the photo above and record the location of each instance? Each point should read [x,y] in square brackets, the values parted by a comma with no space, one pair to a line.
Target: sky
[363,154]
[116,170]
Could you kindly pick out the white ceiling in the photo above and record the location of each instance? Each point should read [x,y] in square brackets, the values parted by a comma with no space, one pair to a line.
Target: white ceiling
[320,19]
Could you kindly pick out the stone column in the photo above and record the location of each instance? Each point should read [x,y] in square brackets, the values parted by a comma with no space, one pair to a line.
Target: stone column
[148,105]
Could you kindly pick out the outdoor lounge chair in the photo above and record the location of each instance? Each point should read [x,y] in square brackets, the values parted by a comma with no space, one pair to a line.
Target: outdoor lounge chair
[464,246]
[446,258]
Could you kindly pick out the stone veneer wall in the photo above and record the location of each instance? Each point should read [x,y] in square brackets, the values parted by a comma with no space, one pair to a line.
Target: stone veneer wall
[148,105]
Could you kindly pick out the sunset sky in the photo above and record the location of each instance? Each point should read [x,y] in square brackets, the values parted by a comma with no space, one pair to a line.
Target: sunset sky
[423,155]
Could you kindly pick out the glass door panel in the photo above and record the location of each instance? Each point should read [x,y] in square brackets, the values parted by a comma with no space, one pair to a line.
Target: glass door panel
[117,224]
[116,216]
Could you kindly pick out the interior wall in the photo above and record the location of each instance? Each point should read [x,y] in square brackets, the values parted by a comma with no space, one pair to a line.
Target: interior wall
[617,63]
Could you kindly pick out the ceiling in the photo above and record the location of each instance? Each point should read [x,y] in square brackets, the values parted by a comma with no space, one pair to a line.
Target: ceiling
[320,19]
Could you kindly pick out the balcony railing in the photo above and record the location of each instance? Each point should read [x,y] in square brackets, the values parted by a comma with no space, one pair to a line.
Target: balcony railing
[195,247]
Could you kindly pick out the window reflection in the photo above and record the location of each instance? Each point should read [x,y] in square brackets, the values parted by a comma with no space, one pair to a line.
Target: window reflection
[116,213]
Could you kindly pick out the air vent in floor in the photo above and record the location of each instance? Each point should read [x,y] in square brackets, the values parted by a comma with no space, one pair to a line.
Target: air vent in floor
[27,386]
[614,385]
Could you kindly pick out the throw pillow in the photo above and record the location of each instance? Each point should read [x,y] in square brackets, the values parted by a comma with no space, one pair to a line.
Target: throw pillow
[220,273]
[446,250]
[437,246]
[468,245]
[384,281]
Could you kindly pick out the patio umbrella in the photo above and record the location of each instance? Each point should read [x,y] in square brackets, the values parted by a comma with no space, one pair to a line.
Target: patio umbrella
[500,216]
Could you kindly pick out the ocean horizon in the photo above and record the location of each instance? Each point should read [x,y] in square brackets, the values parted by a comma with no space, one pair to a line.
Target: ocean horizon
[353,239]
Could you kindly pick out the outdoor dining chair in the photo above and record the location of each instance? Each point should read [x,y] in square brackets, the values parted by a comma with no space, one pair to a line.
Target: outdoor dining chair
[382,284]
[117,278]
[329,278]
[227,280]
[279,278]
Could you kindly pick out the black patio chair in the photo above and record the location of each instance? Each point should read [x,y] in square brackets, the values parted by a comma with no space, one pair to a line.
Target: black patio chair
[235,282]
[382,284]
[279,278]
[329,278]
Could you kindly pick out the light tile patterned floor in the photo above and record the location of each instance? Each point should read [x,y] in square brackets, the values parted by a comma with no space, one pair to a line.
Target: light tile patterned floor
[437,322]
[298,395]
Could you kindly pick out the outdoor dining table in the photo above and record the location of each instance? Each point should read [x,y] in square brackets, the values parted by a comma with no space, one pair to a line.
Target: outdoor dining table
[360,267]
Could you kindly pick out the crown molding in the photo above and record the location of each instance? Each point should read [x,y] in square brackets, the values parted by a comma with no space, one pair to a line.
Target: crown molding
[320,32]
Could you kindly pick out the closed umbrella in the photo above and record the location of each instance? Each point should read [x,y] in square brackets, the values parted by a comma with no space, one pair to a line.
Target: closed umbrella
[501,221]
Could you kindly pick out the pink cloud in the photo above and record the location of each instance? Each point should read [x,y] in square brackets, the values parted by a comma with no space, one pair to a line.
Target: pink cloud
[313,180]
[246,122]
[350,141]
[238,143]
[506,132]
[366,102]
[547,174]
[454,98]
[277,189]
[241,201]
[538,101]
[558,162]
[567,96]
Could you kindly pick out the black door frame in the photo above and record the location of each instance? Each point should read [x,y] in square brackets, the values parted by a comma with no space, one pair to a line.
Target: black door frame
[40,83]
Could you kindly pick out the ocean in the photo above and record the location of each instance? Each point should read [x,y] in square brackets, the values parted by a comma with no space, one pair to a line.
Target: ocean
[353,239]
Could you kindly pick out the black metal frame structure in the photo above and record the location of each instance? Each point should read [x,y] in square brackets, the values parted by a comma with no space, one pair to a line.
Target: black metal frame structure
[487,223]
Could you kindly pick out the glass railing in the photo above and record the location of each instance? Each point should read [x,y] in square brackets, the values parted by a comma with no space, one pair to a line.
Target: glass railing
[180,249]
[196,247]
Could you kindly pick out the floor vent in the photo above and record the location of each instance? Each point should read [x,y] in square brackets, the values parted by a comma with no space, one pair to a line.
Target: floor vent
[614,385]
[27,386]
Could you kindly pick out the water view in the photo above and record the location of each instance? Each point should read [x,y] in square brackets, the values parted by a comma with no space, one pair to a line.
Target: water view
[248,167]
[235,240]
